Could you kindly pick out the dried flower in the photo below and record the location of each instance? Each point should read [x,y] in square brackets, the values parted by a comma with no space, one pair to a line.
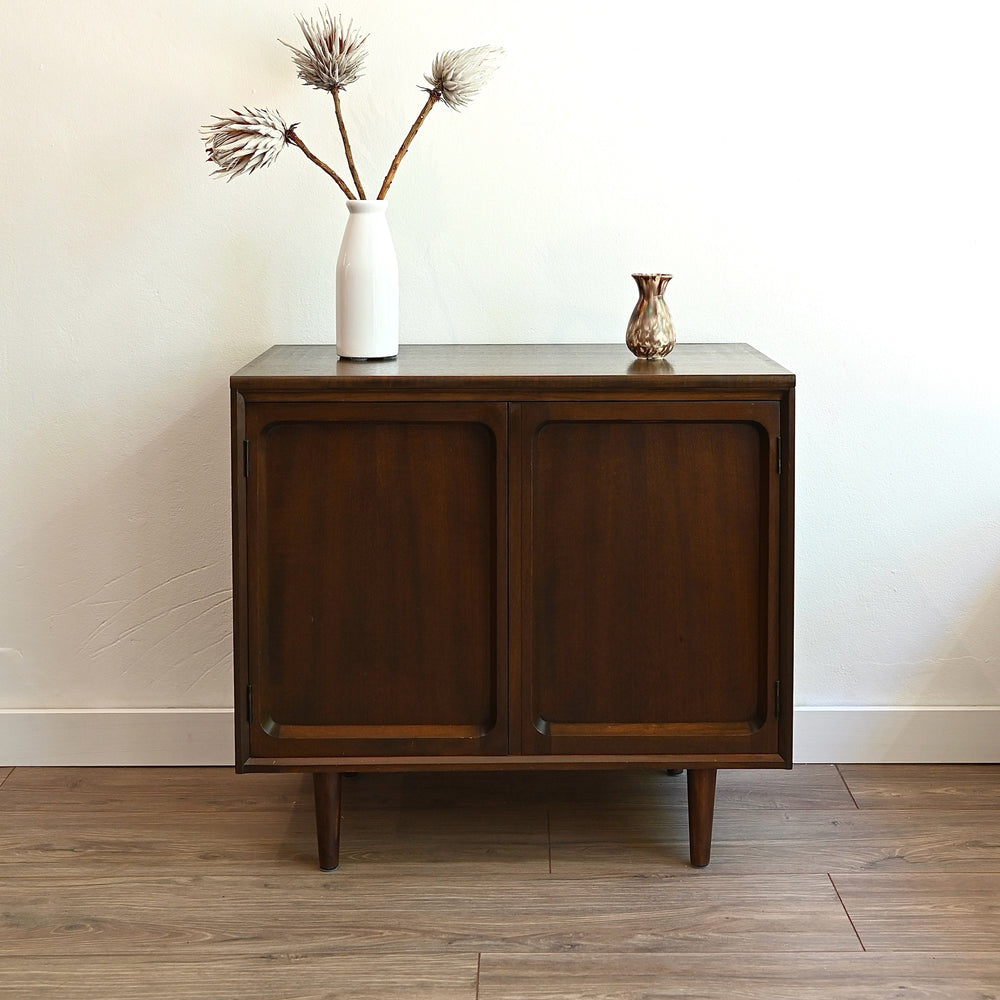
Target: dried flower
[335,56]
[249,139]
[459,74]
[455,78]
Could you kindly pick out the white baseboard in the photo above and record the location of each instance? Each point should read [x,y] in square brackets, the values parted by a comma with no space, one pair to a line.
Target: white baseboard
[126,737]
[204,736]
[945,734]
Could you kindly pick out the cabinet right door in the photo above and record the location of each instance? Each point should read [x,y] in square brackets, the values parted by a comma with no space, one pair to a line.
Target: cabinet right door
[649,578]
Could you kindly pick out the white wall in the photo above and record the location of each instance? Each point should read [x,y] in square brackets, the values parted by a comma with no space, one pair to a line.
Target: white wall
[821,179]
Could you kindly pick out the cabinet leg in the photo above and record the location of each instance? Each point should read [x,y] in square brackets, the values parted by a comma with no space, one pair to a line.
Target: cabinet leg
[701,810]
[326,785]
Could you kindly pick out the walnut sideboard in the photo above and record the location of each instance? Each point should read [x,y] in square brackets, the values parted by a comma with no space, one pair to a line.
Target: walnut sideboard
[513,557]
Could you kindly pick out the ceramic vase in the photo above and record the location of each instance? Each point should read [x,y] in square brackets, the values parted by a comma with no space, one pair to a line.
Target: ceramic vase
[650,331]
[367,286]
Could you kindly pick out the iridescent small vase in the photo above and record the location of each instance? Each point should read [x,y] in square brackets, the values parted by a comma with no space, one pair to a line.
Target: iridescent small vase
[650,331]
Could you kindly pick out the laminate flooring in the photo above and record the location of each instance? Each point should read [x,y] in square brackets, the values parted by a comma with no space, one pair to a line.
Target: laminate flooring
[826,882]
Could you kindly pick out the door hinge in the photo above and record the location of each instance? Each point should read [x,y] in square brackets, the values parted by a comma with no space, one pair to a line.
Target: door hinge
[777,699]
[777,448]
[249,703]
[246,459]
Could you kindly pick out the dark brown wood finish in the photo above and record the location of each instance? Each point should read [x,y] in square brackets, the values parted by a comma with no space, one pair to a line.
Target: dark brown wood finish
[512,369]
[701,812]
[377,578]
[326,791]
[648,555]
[519,556]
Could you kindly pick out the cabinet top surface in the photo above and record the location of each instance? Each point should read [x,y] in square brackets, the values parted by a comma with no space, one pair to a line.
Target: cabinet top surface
[484,365]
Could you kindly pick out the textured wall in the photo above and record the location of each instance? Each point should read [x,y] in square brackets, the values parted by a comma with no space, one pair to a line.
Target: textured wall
[820,178]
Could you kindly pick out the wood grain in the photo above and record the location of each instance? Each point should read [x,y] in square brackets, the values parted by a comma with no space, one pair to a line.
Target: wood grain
[151,789]
[916,912]
[200,883]
[924,786]
[334,671]
[646,602]
[102,841]
[545,367]
[781,976]
[588,841]
[806,786]
[216,789]
[816,786]
[354,913]
[208,820]
[288,977]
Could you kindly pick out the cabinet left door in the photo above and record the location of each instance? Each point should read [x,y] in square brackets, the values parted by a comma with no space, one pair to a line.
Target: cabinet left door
[371,579]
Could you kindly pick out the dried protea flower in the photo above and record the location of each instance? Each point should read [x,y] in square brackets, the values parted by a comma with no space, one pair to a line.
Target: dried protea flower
[459,74]
[249,139]
[334,56]
[455,78]
[252,138]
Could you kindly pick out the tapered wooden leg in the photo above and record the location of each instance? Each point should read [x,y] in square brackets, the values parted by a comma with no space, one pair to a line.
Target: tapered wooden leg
[326,785]
[701,810]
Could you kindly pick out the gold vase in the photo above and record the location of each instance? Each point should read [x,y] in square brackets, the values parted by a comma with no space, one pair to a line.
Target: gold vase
[650,331]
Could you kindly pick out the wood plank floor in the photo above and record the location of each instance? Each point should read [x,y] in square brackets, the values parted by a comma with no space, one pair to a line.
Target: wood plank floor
[853,882]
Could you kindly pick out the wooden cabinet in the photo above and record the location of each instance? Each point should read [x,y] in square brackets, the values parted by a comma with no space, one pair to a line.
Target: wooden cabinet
[519,556]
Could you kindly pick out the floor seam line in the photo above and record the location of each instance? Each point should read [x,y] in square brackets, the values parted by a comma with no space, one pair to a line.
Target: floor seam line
[840,774]
[847,914]
[548,835]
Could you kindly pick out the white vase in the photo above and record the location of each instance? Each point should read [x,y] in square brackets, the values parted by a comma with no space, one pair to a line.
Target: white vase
[367,286]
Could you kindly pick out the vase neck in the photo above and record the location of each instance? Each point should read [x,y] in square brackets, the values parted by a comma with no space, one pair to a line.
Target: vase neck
[650,284]
[367,207]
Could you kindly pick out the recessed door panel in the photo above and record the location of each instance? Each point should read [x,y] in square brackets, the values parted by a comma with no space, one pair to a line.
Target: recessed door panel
[377,562]
[650,577]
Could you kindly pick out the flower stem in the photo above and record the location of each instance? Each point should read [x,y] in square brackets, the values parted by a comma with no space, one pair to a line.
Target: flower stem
[347,145]
[290,136]
[432,98]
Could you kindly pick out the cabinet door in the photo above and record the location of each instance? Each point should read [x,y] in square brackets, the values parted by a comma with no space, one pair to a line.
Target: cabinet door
[649,577]
[376,578]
